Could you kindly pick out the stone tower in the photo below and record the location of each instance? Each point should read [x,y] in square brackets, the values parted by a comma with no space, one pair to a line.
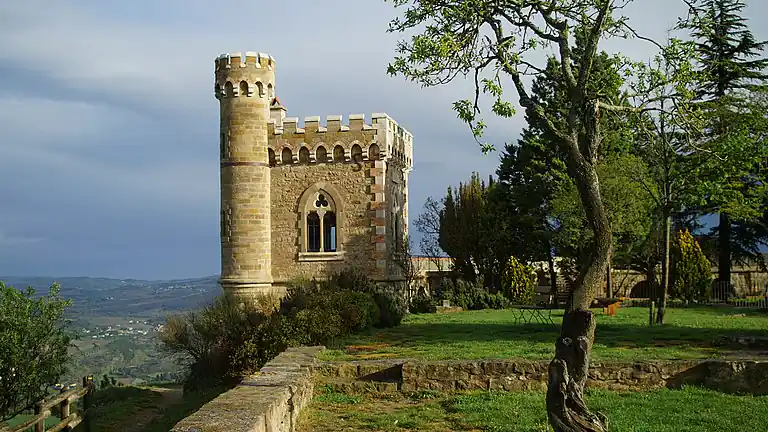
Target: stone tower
[244,86]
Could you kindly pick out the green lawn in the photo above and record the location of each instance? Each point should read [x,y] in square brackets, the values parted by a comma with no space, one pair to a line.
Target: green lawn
[49,422]
[688,334]
[690,409]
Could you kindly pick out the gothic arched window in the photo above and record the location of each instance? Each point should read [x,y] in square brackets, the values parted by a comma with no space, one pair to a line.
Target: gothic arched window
[329,232]
[321,223]
[313,232]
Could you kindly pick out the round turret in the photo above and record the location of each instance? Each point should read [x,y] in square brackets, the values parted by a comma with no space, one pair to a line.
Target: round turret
[244,86]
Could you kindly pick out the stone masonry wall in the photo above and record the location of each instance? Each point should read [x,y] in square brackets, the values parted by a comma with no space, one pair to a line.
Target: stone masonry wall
[288,184]
[269,401]
[738,376]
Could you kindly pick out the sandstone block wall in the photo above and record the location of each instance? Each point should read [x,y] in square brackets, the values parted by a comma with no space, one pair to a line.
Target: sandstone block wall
[243,86]
[288,184]
[366,163]
[269,401]
[732,376]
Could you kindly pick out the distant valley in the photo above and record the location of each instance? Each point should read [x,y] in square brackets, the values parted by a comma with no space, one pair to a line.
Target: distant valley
[117,320]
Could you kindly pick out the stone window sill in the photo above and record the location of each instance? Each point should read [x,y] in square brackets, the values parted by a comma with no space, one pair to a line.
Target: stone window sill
[321,256]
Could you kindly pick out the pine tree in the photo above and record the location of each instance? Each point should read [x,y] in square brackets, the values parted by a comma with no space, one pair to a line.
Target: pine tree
[731,63]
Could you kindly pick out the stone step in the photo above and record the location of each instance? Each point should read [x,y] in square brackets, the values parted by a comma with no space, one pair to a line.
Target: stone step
[353,386]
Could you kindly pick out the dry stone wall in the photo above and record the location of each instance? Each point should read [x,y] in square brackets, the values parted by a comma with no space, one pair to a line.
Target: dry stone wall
[743,376]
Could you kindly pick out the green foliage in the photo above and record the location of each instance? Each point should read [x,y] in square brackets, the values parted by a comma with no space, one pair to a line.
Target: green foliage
[469,230]
[732,68]
[691,270]
[519,282]
[391,303]
[421,304]
[33,346]
[392,308]
[468,295]
[208,340]
[630,208]
[226,339]
[119,408]
[106,382]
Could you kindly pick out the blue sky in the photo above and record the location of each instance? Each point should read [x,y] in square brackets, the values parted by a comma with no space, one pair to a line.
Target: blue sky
[109,154]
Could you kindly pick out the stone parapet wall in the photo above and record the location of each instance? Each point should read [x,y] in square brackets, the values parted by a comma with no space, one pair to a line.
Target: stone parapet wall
[269,401]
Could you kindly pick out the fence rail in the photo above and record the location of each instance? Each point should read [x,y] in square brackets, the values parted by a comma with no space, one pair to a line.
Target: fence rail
[64,401]
[749,303]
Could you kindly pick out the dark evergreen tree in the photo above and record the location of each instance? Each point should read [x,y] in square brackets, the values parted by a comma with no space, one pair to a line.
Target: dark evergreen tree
[531,171]
[731,64]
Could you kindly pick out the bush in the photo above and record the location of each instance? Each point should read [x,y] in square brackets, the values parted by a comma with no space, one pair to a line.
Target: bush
[392,304]
[691,270]
[209,340]
[226,339]
[423,304]
[518,282]
[392,308]
[358,310]
[469,296]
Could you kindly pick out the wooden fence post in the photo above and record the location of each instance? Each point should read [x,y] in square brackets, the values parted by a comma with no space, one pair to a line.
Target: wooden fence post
[64,409]
[40,425]
[87,401]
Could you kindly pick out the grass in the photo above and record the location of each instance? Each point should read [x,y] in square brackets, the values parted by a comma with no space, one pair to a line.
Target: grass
[120,408]
[19,419]
[687,334]
[689,409]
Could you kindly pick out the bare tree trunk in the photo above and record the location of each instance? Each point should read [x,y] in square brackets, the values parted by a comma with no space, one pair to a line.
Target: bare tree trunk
[609,280]
[662,301]
[568,371]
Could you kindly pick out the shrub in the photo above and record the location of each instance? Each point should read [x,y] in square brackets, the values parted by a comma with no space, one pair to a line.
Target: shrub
[691,270]
[392,308]
[358,310]
[208,339]
[392,304]
[336,311]
[226,339]
[469,295]
[423,304]
[518,282]
[263,343]
[352,280]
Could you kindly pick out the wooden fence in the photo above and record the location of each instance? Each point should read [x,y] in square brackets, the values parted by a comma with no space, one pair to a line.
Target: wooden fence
[65,402]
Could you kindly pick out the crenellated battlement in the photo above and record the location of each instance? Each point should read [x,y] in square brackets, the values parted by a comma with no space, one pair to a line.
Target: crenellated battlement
[248,74]
[320,142]
[242,60]
[333,123]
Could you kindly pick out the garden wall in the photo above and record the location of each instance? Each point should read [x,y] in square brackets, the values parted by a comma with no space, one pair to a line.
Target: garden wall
[516,375]
[269,401]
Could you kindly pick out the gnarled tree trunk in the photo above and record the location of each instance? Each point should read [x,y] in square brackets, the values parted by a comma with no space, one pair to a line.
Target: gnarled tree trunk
[568,371]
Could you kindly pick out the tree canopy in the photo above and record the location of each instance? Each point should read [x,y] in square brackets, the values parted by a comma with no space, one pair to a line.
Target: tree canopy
[33,346]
